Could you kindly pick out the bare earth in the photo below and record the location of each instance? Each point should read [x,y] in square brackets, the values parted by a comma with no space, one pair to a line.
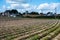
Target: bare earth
[16,29]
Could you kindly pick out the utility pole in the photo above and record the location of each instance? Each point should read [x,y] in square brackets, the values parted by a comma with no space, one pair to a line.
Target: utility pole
[8,14]
[26,13]
[55,12]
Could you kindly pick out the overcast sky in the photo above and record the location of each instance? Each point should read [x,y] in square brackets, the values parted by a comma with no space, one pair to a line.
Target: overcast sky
[30,5]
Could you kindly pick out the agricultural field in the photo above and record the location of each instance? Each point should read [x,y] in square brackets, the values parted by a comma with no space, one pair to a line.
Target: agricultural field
[29,29]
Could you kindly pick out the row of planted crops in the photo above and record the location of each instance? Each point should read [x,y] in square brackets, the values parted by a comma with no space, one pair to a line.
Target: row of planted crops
[51,34]
[29,29]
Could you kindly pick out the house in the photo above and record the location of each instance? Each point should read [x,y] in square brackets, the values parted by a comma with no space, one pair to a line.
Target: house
[50,14]
[11,13]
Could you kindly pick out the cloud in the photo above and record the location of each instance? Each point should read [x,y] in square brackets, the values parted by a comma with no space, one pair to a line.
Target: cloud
[44,5]
[18,4]
[10,1]
[17,1]
[48,6]
[14,5]
[8,7]
[23,5]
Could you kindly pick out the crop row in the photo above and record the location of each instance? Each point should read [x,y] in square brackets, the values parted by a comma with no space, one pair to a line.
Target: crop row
[49,34]
[26,28]
[26,36]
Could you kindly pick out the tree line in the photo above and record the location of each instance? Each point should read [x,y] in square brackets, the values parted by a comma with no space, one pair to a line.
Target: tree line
[14,13]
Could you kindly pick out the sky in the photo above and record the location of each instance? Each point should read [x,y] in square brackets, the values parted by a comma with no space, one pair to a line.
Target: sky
[31,5]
